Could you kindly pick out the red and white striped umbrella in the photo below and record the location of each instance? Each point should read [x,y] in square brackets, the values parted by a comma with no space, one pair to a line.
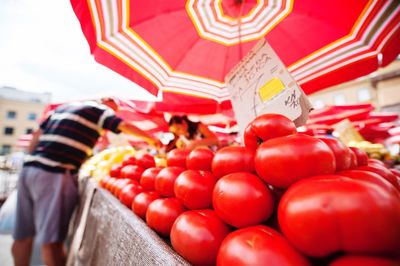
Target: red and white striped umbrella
[187,47]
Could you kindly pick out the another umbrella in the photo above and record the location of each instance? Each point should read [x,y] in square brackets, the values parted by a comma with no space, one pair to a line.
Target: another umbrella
[175,47]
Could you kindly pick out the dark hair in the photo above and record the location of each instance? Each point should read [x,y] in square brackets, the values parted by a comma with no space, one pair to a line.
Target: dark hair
[192,126]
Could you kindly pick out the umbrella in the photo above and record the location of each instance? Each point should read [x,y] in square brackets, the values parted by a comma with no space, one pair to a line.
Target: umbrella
[186,48]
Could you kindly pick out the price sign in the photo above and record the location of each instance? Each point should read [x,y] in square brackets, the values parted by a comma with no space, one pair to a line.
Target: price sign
[261,84]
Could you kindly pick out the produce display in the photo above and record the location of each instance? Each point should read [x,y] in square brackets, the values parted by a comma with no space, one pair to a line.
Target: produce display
[282,199]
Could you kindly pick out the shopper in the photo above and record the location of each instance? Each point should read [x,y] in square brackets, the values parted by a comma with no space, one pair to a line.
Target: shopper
[47,186]
[190,134]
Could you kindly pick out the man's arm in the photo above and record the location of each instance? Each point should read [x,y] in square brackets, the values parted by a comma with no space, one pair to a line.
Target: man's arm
[34,141]
[131,129]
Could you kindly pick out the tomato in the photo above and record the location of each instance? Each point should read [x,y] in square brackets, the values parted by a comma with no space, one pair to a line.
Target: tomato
[165,180]
[282,161]
[341,152]
[323,215]
[354,260]
[194,189]
[145,160]
[120,184]
[242,199]
[383,172]
[128,193]
[133,172]
[142,202]
[232,159]
[129,160]
[162,213]
[197,235]
[362,157]
[265,127]
[200,159]
[177,157]
[115,170]
[103,182]
[110,183]
[354,162]
[375,161]
[148,178]
[258,245]
[369,176]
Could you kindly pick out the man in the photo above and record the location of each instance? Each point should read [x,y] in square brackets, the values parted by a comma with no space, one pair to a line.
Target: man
[47,189]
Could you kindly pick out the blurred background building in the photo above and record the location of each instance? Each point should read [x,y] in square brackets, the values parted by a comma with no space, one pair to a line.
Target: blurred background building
[381,88]
[19,114]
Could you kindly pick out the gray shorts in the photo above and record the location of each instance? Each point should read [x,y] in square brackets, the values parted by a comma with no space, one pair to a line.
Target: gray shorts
[45,204]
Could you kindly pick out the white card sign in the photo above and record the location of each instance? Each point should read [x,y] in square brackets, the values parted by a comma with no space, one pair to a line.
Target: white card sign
[261,84]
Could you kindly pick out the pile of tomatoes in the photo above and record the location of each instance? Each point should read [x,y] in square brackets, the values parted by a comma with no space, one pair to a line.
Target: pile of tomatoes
[282,199]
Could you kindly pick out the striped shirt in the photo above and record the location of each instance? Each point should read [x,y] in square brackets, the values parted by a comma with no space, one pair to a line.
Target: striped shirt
[69,135]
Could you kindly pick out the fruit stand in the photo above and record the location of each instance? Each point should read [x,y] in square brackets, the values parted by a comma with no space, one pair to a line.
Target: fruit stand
[105,232]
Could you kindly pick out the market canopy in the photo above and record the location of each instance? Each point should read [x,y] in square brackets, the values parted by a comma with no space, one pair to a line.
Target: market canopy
[187,47]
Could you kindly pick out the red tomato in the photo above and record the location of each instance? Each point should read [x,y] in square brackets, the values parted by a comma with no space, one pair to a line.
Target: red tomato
[110,183]
[120,184]
[265,127]
[242,199]
[323,215]
[129,160]
[369,176]
[142,202]
[194,189]
[200,159]
[375,161]
[148,178]
[258,245]
[177,157]
[128,193]
[145,160]
[341,152]
[197,236]
[162,213]
[133,172]
[362,157]
[116,170]
[354,162]
[383,172]
[165,180]
[282,161]
[232,159]
[103,182]
[354,260]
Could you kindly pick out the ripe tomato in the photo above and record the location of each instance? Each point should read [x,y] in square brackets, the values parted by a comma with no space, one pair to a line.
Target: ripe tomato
[177,157]
[200,159]
[120,184]
[103,182]
[133,172]
[128,193]
[282,161]
[232,159]
[165,180]
[383,172]
[162,213]
[354,260]
[148,178]
[369,176]
[142,202]
[194,189]
[265,127]
[341,152]
[145,160]
[258,245]
[242,199]
[354,162]
[197,235]
[129,160]
[116,170]
[323,215]
[110,183]
[362,157]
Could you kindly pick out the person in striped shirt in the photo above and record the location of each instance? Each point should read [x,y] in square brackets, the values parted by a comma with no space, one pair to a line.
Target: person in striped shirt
[47,188]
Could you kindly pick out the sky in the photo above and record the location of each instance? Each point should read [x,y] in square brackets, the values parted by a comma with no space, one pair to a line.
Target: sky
[43,49]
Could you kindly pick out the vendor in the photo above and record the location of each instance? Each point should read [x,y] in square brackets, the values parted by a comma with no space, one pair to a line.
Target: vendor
[189,134]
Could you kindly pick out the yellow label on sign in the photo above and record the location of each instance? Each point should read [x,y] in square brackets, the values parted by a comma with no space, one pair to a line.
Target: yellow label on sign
[270,89]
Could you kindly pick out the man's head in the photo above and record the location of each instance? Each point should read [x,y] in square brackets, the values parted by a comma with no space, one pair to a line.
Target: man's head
[110,102]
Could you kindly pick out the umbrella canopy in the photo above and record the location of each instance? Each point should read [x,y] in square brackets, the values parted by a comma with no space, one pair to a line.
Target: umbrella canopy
[188,47]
